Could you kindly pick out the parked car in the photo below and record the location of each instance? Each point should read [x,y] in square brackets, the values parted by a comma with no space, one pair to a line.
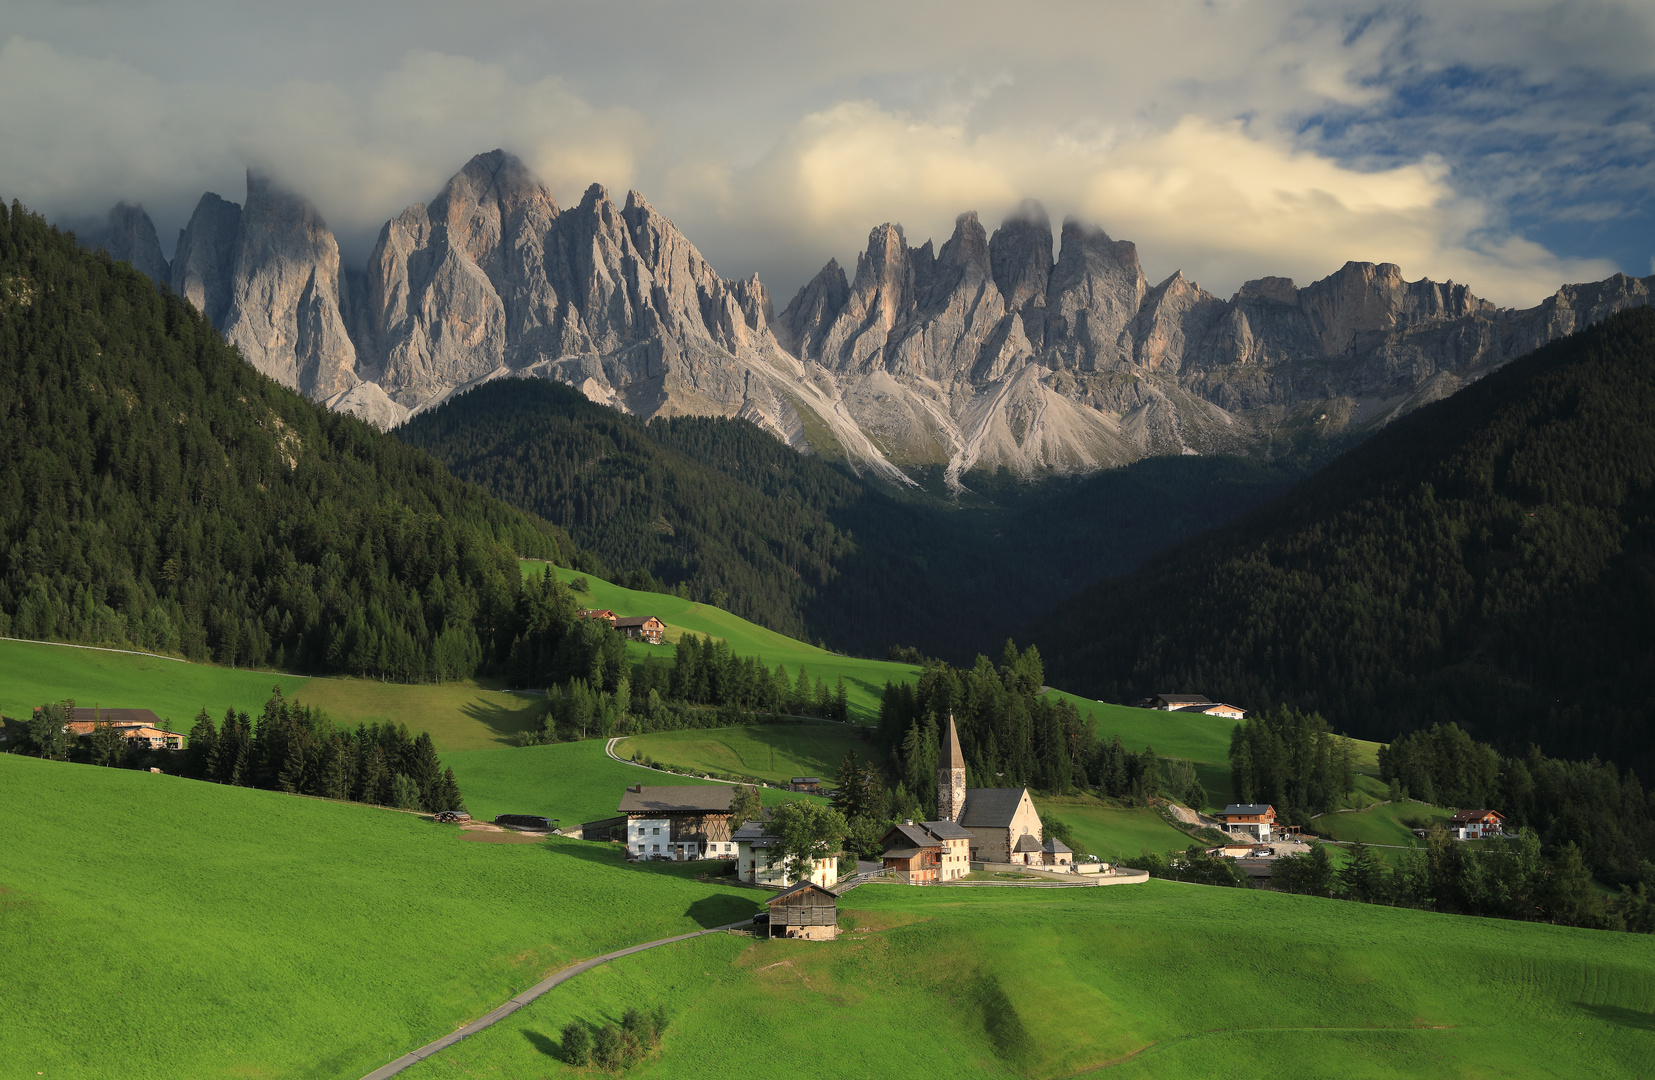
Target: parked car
[1264,853]
[761,918]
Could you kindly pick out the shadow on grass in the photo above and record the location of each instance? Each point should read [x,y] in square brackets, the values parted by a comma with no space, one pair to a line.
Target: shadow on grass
[544,1044]
[711,911]
[504,722]
[1614,1014]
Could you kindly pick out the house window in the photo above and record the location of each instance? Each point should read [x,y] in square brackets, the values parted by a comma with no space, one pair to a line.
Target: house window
[655,832]
[657,847]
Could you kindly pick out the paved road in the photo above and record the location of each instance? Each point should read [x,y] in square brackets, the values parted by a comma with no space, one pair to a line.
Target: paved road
[525,998]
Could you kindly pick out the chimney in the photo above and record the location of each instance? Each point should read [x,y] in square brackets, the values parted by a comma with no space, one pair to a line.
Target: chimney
[908,821]
[636,789]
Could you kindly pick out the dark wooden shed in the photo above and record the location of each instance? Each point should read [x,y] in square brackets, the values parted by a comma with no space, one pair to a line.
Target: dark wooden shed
[805,910]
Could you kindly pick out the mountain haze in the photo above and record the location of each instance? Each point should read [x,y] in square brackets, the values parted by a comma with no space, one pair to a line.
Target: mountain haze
[1024,350]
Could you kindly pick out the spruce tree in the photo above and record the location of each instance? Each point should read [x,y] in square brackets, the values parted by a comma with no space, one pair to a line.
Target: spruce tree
[201,759]
[426,772]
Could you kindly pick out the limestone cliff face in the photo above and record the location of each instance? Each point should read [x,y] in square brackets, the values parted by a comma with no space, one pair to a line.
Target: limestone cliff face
[283,312]
[206,255]
[1002,350]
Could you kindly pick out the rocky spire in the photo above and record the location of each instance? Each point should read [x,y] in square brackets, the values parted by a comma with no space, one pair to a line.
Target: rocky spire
[951,776]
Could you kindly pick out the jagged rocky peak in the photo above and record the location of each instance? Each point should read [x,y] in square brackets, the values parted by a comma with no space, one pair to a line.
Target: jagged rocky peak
[1096,288]
[205,256]
[1278,290]
[805,321]
[128,235]
[1020,252]
[284,293]
[1175,317]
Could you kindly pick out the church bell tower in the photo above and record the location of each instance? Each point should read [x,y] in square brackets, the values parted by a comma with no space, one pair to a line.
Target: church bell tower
[951,776]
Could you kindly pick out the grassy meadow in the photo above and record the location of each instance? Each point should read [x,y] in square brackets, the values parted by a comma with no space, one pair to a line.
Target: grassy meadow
[1381,824]
[773,752]
[1159,980]
[1112,832]
[33,673]
[864,679]
[572,781]
[154,926]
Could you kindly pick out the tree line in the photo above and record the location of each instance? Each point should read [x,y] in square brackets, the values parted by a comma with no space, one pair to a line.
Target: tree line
[1293,761]
[1591,806]
[158,493]
[288,747]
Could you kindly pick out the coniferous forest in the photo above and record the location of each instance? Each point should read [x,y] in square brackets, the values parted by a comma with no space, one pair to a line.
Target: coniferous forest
[735,517]
[1487,561]
[157,492]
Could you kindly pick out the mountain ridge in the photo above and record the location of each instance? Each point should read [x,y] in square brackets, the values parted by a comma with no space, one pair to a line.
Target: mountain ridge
[1017,349]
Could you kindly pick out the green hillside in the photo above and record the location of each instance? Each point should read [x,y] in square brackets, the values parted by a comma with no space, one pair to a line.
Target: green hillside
[771,752]
[1113,833]
[1486,560]
[158,492]
[572,781]
[864,679]
[1382,824]
[161,927]
[1160,980]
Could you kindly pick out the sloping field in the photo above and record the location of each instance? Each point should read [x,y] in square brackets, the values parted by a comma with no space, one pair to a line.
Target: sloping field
[773,752]
[460,716]
[32,674]
[1159,980]
[1111,832]
[573,782]
[864,679]
[1380,824]
[159,927]
[1191,736]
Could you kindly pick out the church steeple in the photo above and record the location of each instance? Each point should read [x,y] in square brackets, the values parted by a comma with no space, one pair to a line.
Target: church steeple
[951,776]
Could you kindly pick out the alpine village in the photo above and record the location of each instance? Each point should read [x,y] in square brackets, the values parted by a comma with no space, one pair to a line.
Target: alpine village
[477,638]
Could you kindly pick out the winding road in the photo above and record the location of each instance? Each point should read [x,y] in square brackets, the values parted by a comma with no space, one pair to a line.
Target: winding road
[528,996]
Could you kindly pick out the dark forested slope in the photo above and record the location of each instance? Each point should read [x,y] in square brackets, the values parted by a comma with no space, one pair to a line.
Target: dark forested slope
[1488,560]
[801,545]
[158,492]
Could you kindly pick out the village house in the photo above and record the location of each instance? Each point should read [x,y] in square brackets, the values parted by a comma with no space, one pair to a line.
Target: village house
[678,823]
[812,784]
[1476,824]
[1249,819]
[1194,703]
[640,628]
[928,852]
[754,849]
[139,725]
[805,910]
[997,818]
[597,613]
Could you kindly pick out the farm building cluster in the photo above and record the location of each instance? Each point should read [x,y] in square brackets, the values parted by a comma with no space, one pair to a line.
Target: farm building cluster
[1193,703]
[634,627]
[140,726]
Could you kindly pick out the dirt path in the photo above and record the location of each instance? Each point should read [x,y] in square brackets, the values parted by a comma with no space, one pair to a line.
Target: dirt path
[526,997]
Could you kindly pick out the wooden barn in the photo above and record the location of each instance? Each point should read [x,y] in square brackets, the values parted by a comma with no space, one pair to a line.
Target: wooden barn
[804,911]
[641,628]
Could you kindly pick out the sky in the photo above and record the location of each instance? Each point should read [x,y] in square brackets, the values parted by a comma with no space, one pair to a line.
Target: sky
[1509,146]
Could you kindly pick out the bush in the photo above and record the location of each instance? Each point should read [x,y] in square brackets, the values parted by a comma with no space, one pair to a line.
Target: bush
[609,1048]
[580,584]
[577,1043]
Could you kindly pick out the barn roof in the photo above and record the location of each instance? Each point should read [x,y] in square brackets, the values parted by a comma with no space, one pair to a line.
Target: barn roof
[911,835]
[991,808]
[1184,699]
[686,799]
[118,717]
[802,887]
[1248,809]
[634,620]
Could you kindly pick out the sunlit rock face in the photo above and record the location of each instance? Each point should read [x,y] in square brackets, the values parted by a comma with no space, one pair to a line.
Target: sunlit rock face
[1019,349]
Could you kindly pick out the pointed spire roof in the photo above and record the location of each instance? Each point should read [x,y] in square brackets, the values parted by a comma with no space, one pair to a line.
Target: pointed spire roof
[951,756]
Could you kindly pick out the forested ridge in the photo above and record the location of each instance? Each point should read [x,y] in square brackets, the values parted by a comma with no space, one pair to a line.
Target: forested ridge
[157,492]
[1487,561]
[735,517]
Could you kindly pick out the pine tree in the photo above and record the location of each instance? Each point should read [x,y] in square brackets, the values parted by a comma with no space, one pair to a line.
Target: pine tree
[426,772]
[201,759]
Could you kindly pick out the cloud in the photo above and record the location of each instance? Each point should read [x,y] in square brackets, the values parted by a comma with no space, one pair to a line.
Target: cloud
[1216,199]
[82,133]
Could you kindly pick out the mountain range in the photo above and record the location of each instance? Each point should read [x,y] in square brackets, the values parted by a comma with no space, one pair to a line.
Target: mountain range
[1021,350]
